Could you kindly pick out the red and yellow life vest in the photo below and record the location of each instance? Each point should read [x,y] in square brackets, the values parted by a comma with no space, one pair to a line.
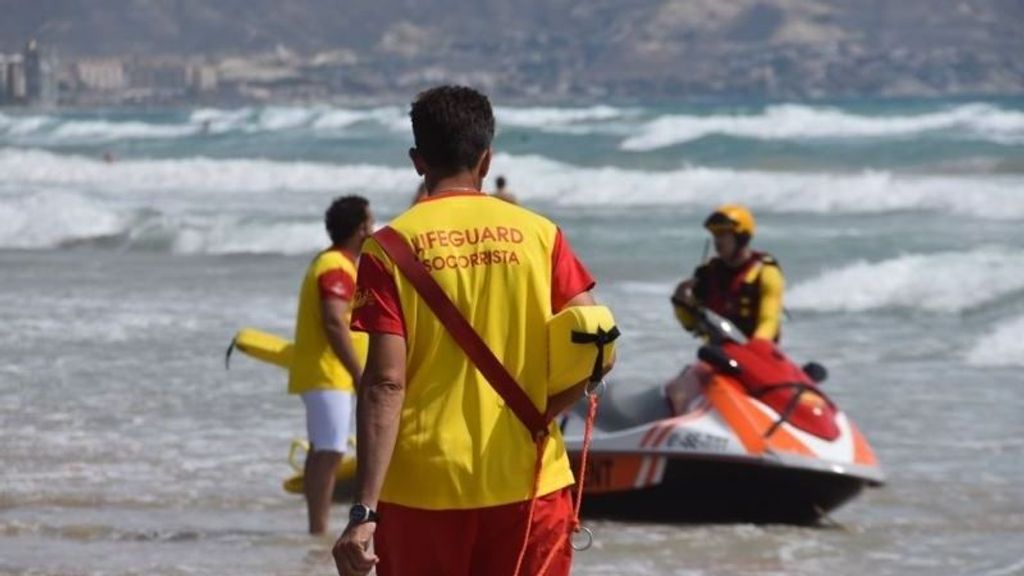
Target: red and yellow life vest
[739,294]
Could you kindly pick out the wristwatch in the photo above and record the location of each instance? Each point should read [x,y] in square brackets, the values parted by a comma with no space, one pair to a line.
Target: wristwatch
[361,514]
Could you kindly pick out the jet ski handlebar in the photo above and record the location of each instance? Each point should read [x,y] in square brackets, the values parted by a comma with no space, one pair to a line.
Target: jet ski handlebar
[718,330]
[709,325]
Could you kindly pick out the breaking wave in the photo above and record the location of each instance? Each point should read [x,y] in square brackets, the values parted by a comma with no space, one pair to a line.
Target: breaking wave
[640,129]
[315,121]
[798,122]
[868,192]
[48,199]
[1004,346]
[942,282]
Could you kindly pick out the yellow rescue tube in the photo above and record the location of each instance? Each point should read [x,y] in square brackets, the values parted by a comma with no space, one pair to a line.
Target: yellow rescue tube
[573,339]
[273,349]
[344,474]
[263,346]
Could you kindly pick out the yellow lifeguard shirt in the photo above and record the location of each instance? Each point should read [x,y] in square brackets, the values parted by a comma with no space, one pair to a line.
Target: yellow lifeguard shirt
[332,274]
[507,270]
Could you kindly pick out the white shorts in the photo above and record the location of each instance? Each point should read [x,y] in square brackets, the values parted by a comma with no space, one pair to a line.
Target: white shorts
[328,416]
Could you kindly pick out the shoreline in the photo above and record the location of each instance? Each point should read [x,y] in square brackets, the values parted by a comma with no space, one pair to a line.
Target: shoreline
[391,99]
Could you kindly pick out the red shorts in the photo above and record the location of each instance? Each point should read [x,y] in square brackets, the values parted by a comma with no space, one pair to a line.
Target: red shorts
[416,542]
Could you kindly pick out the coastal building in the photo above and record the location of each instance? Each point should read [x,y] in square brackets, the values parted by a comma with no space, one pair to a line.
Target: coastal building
[156,80]
[40,71]
[3,79]
[158,74]
[14,79]
[202,78]
[99,74]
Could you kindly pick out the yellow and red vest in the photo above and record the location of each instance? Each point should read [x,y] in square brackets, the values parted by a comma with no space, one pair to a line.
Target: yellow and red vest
[458,446]
[314,365]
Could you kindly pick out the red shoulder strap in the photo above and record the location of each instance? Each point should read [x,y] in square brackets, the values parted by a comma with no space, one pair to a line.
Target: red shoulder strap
[467,338]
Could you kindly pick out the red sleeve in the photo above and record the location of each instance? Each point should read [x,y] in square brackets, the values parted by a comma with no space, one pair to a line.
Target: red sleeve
[377,307]
[336,284]
[569,277]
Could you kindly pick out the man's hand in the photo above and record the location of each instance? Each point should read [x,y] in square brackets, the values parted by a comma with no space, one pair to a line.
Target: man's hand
[352,553]
[684,292]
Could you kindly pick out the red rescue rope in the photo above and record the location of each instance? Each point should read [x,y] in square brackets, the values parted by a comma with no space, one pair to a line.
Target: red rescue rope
[574,524]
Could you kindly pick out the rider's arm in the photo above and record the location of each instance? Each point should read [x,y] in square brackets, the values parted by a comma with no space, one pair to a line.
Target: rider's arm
[769,317]
[683,314]
[690,292]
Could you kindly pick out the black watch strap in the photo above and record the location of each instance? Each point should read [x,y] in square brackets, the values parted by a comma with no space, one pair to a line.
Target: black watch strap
[361,514]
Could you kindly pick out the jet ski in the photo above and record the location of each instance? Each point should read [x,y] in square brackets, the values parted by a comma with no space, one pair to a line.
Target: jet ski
[761,443]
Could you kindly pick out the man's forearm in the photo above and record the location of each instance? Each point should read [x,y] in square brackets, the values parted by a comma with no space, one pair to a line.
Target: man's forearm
[564,400]
[377,413]
[340,339]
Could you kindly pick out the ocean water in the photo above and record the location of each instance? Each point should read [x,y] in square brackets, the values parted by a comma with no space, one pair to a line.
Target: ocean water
[128,449]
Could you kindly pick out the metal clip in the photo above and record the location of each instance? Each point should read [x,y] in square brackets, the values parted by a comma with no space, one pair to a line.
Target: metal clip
[588,537]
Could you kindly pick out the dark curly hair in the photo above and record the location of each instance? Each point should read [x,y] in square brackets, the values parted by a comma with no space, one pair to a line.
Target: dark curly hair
[453,126]
[344,216]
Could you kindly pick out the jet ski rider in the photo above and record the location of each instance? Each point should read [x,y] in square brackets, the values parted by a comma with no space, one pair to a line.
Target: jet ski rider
[740,284]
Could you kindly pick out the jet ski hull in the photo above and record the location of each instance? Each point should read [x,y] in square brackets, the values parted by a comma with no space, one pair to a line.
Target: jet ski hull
[731,459]
[701,490]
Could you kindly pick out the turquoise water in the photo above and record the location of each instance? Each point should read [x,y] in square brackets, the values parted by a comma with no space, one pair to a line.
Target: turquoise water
[128,449]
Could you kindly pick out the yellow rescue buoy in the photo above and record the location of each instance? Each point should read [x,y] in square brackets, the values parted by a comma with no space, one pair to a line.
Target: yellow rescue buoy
[575,336]
[263,346]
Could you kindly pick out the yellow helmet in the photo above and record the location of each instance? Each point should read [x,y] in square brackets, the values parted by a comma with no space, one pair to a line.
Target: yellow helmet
[733,218]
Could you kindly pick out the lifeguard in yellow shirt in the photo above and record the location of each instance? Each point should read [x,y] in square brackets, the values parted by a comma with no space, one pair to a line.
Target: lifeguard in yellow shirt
[447,474]
[326,364]
[740,284]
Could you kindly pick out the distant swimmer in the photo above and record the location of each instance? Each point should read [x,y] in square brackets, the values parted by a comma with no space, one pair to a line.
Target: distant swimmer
[108,157]
[740,284]
[501,190]
[448,472]
[325,366]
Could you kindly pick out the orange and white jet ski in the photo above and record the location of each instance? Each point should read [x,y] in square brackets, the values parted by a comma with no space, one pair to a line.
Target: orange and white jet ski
[761,443]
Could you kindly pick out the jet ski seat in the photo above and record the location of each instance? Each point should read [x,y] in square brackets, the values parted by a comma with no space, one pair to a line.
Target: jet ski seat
[621,409]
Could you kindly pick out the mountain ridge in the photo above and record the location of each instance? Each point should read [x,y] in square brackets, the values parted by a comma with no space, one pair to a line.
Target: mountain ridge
[774,49]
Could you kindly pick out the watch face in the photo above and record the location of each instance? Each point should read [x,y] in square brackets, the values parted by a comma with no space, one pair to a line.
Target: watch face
[358,513]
